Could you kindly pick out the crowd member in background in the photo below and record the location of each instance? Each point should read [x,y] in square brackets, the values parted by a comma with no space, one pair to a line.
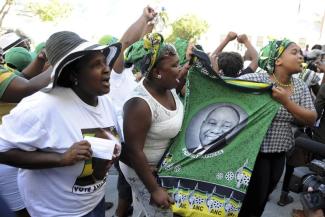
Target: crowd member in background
[18,58]
[306,50]
[122,83]
[152,116]
[317,47]
[55,158]
[14,85]
[319,129]
[11,39]
[231,64]
[280,59]
[311,73]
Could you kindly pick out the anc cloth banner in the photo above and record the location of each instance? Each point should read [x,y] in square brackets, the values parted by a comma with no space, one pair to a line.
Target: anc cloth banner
[208,166]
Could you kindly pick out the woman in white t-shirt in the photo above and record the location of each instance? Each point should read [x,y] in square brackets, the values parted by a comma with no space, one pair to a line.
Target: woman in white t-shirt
[63,174]
[152,116]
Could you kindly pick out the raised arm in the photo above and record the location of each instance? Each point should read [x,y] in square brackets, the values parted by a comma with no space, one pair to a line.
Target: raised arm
[230,37]
[20,87]
[251,51]
[37,66]
[133,34]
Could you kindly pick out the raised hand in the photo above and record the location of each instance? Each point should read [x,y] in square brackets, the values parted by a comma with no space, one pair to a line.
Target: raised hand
[242,38]
[231,36]
[149,13]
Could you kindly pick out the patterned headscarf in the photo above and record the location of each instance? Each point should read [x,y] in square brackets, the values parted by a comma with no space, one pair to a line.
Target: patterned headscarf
[271,52]
[144,53]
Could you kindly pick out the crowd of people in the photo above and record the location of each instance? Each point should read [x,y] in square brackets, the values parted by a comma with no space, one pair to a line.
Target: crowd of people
[129,91]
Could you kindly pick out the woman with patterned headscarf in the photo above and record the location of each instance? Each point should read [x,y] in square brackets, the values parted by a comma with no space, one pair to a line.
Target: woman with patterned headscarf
[280,59]
[152,117]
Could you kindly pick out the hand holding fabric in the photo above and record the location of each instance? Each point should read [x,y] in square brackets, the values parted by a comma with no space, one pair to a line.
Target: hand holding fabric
[281,95]
[79,151]
[161,198]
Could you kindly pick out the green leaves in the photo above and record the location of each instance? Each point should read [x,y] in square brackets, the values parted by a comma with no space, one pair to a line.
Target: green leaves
[50,10]
[188,27]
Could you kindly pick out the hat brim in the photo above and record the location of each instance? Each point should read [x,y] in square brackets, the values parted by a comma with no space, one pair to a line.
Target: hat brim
[111,53]
[13,44]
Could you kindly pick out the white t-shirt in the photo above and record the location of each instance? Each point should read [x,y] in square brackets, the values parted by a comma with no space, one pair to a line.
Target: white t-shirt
[122,85]
[53,122]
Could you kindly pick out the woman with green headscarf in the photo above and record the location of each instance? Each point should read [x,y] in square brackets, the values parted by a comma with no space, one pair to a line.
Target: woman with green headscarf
[280,59]
[152,117]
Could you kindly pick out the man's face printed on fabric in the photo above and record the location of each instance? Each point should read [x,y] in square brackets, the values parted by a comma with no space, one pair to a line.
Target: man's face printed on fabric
[218,122]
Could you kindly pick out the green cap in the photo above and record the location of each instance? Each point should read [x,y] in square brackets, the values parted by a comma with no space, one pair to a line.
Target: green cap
[18,57]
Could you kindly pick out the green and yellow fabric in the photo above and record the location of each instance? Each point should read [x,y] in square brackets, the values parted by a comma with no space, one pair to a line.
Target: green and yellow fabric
[137,51]
[144,53]
[6,76]
[211,179]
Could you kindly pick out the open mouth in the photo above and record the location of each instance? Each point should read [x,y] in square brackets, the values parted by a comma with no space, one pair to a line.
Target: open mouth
[106,81]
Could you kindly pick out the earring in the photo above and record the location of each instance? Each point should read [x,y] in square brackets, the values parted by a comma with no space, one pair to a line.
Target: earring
[159,76]
[75,82]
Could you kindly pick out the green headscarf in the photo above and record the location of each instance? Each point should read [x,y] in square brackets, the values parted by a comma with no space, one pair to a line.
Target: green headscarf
[147,48]
[271,52]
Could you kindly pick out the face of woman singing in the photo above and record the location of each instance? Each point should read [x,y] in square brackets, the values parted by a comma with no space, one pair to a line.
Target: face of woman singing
[291,59]
[94,74]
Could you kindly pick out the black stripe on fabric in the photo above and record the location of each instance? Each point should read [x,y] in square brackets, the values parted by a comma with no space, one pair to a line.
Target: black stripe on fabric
[202,186]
